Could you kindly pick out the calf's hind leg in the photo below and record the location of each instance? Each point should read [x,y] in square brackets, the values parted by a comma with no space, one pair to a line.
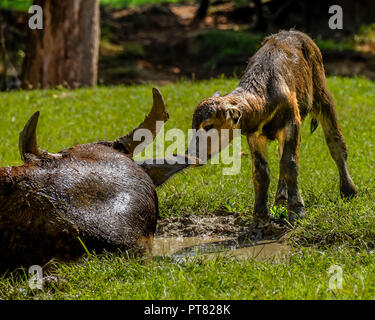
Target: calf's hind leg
[336,143]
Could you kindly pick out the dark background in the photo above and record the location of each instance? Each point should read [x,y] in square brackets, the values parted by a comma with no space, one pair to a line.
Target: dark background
[162,42]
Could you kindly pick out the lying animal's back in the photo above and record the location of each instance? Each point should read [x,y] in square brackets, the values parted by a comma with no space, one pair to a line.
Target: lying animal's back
[93,192]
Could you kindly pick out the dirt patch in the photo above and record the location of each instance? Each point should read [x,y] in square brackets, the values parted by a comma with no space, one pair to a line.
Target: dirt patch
[348,68]
[202,226]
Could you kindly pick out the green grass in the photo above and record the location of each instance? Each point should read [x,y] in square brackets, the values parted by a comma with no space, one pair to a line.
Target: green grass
[303,275]
[335,232]
[21,5]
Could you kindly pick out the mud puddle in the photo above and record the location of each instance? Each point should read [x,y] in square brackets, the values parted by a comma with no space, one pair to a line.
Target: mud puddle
[179,238]
[181,248]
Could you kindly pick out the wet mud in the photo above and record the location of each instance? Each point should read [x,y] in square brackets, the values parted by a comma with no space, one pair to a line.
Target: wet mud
[213,225]
[179,238]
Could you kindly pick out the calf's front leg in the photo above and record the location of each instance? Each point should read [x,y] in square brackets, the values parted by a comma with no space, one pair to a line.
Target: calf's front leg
[282,190]
[261,178]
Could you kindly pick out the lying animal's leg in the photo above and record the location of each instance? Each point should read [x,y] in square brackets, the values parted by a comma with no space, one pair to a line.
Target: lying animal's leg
[289,170]
[261,177]
[282,190]
[336,143]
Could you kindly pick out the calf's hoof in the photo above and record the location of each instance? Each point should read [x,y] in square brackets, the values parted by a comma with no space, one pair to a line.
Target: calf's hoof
[262,219]
[257,233]
[254,234]
[348,192]
[296,215]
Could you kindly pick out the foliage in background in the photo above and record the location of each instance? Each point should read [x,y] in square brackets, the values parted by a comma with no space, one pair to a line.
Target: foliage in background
[21,5]
[330,45]
[224,47]
[24,5]
[366,34]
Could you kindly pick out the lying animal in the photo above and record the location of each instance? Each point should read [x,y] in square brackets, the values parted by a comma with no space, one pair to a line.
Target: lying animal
[283,83]
[91,195]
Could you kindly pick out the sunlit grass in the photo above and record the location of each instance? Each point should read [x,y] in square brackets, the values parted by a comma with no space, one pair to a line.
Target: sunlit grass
[335,232]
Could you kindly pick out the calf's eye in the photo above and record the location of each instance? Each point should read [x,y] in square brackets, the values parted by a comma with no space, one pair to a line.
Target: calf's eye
[208,128]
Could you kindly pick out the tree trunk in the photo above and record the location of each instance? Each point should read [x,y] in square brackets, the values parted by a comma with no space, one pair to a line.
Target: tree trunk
[261,23]
[202,11]
[4,55]
[66,50]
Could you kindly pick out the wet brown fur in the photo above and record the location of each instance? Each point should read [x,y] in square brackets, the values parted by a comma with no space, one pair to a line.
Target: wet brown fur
[92,193]
[283,83]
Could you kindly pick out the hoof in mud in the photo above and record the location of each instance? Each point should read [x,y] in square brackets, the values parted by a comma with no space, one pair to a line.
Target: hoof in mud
[254,234]
[261,219]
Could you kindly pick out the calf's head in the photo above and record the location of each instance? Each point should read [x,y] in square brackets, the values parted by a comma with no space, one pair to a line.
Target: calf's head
[213,118]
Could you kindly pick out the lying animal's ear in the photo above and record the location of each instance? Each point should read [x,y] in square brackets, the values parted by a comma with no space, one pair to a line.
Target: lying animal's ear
[28,145]
[216,94]
[233,114]
[158,113]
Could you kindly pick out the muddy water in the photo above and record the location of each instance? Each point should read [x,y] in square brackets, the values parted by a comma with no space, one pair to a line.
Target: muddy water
[178,248]
[216,235]
[267,249]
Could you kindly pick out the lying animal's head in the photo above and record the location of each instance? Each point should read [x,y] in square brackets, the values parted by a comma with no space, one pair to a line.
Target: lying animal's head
[93,194]
[215,116]
[126,145]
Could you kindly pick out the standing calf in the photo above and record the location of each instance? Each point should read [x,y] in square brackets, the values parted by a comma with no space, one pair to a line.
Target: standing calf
[283,83]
